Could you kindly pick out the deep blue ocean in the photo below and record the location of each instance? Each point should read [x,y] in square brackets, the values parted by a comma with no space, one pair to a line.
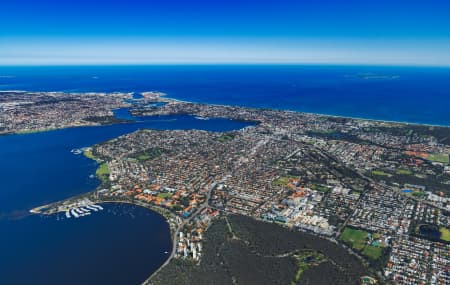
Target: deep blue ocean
[125,244]
[409,94]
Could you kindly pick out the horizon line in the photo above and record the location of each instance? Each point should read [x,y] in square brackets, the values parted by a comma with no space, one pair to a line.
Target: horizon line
[412,65]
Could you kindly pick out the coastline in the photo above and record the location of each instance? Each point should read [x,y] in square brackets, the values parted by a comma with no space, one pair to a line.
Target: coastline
[313,113]
[161,212]
[169,98]
[29,132]
[164,213]
[173,232]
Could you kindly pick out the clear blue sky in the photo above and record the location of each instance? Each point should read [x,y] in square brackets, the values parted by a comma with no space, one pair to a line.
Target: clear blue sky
[394,32]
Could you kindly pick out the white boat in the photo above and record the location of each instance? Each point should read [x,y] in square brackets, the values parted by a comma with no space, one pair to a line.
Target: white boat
[76,151]
[92,208]
[97,206]
[67,214]
[74,213]
[79,211]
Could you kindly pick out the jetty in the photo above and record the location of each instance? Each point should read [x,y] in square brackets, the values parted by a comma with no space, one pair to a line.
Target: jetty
[79,207]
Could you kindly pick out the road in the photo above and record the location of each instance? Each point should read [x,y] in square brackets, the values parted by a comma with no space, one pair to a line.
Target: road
[180,226]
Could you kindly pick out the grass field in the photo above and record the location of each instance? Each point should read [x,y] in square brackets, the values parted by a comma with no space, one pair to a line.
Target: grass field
[445,234]
[439,157]
[164,195]
[147,154]
[372,252]
[403,172]
[225,138]
[143,157]
[103,172]
[357,240]
[282,181]
[380,173]
[88,154]
[323,189]
[418,194]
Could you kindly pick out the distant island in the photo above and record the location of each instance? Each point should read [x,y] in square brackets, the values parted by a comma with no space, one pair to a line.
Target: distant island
[287,198]
[376,76]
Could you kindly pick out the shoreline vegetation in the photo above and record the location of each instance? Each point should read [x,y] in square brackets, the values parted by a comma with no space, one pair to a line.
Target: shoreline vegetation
[102,171]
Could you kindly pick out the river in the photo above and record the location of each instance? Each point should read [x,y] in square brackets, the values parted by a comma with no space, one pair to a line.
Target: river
[123,244]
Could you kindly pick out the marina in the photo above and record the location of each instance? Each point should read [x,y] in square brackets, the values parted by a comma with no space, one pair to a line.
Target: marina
[201,118]
[79,208]
[78,151]
[74,213]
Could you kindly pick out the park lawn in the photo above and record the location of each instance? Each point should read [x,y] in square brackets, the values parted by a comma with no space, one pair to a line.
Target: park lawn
[143,157]
[225,138]
[323,131]
[147,154]
[372,252]
[439,157]
[282,181]
[88,154]
[445,234]
[356,238]
[320,188]
[164,195]
[418,194]
[103,172]
[380,173]
[103,169]
[376,235]
[403,172]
